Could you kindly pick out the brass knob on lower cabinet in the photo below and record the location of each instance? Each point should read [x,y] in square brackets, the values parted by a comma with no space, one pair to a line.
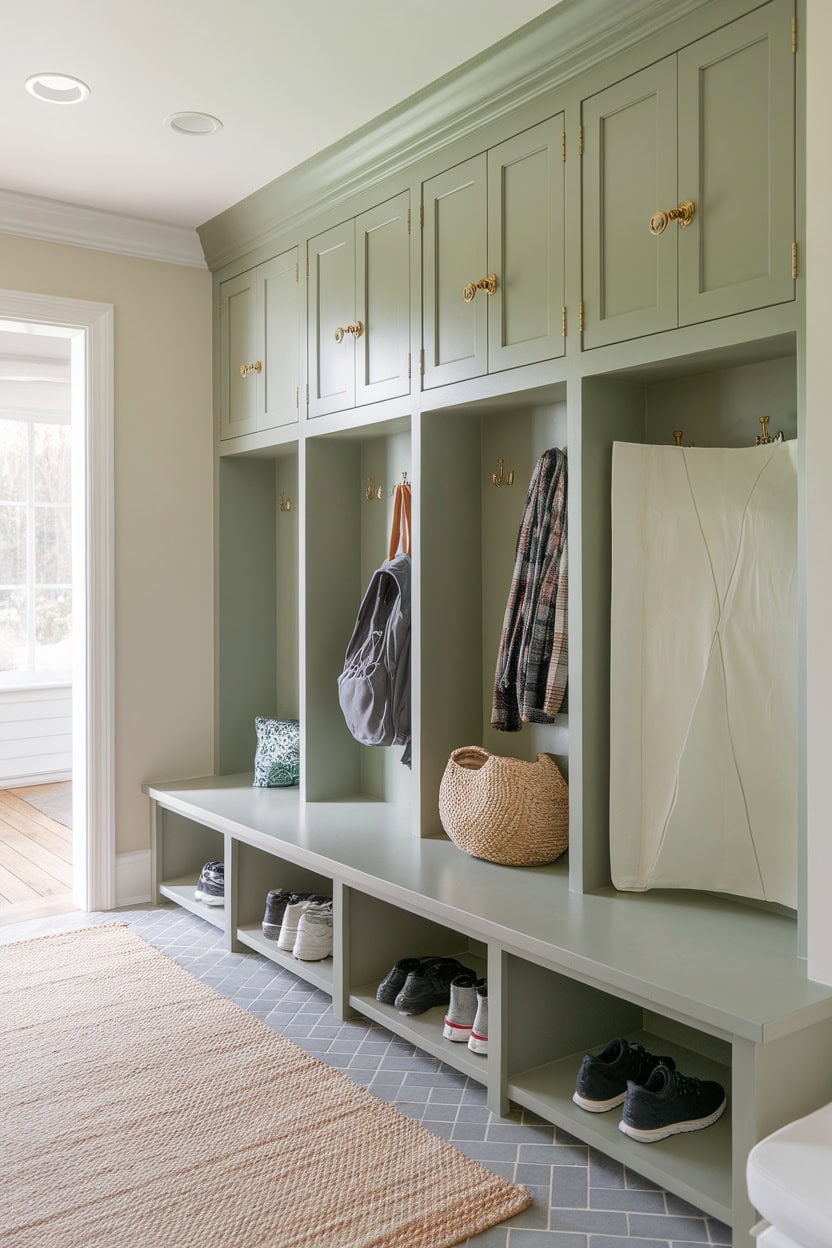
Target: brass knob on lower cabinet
[357,329]
[684,214]
[488,284]
[256,367]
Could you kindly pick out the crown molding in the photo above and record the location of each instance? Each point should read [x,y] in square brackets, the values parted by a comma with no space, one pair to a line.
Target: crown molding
[568,39]
[53,221]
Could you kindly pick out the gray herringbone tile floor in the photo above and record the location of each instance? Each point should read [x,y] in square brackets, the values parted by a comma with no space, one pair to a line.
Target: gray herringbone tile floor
[581,1199]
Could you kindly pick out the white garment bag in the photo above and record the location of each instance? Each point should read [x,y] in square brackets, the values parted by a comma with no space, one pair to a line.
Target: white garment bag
[703,706]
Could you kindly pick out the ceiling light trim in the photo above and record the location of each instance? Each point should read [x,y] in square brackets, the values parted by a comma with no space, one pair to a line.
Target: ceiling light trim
[48,86]
[53,221]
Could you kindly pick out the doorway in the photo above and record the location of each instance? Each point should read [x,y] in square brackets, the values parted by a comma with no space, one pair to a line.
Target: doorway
[57,835]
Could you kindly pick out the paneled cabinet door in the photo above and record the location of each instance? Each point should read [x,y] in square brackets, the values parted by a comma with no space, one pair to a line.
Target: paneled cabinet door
[629,173]
[331,313]
[454,254]
[382,300]
[238,355]
[278,311]
[525,247]
[736,162]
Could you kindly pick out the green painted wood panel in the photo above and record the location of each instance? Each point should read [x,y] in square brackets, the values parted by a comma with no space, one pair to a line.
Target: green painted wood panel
[525,247]
[278,316]
[331,307]
[736,162]
[629,172]
[382,300]
[238,346]
[455,253]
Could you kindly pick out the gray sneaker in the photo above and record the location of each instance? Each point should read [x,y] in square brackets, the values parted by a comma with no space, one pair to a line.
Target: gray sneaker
[462,1009]
[313,942]
[478,1040]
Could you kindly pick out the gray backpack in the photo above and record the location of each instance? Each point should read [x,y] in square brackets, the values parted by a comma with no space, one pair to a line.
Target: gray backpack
[374,687]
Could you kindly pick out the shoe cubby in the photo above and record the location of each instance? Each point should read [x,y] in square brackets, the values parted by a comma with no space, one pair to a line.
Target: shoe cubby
[379,934]
[551,1021]
[254,873]
[258,627]
[350,480]
[468,529]
[182,849]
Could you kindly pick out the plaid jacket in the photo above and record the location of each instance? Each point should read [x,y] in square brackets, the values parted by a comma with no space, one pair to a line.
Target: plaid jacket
[530,681]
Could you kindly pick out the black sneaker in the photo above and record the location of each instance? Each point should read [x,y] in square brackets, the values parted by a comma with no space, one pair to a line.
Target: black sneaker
[429,985]
[210,887]
[393,981]
[602,1080]
[669,1103]
[276,900]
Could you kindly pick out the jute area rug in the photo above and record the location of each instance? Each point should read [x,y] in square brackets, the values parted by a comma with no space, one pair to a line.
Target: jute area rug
[141,1108]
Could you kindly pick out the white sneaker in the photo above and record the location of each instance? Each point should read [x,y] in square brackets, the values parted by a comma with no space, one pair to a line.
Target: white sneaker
[313,942]
[291,919]
[478,1040]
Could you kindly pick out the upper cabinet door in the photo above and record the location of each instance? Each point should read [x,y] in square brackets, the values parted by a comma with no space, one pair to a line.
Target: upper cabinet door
[240,365]
[382,300]
[525,247]
[629,173]
[454,256]
[278,319]
[736,162]
[332,328]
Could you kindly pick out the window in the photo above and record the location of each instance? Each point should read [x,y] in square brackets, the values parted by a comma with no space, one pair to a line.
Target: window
[35,550]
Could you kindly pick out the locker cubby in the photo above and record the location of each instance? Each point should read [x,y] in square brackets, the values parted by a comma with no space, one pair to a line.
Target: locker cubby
[258,631]
[550,1021]
[347,538]
[378,934]
[182,849]
[468,532]
[255,872]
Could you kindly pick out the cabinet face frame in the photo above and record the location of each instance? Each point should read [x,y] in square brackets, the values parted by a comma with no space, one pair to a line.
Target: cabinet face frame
[238,339]
[526,243]
[720,144]
[454,242]
[278,327]
[619,254]
[382,300]
[331,306]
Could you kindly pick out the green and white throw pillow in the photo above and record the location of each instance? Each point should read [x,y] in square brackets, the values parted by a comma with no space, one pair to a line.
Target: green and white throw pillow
[277,758]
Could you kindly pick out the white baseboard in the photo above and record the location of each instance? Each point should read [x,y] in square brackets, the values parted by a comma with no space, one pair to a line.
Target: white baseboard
[133,878]
[47,777]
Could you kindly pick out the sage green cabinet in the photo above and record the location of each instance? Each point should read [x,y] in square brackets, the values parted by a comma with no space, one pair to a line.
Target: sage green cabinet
[359,310]
[259,328]
[713,127]
[493,259]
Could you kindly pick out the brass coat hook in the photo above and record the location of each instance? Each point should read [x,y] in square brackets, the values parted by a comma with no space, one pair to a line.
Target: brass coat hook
[285,503]
[404,481]
[373,491]
[677,438]
[764,438]
[497,477]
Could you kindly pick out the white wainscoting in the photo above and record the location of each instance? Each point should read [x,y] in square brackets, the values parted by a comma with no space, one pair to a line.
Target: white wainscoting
[35,736]
[133,877]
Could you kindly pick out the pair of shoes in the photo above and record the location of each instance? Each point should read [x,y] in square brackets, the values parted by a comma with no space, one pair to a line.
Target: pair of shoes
[658,1101]
[413,985]
[210,887]
[467,1017]
[300,923]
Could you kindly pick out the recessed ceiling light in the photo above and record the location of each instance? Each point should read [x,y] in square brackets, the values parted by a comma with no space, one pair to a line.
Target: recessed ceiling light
[193,124]
[57,88]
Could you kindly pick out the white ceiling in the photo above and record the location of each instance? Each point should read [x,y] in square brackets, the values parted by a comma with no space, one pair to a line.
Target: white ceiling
[286,77]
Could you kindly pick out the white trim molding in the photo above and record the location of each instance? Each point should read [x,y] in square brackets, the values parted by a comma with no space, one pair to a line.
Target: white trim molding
[89,327]
[54,221]
[133,878]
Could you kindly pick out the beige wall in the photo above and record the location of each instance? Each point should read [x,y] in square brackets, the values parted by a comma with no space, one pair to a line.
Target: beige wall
[819,486]
[163,506]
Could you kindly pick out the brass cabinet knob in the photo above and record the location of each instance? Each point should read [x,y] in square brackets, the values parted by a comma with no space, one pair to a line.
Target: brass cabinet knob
[488,284]
[256,367]
[684,214]
[357,329]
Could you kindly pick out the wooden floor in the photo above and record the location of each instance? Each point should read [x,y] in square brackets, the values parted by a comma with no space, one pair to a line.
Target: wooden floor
[35,856]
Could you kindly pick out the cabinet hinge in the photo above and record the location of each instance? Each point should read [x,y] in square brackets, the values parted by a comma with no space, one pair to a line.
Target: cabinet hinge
[219,305]
[563,320]
[581,317]
[563,146]
[408,365]
[580,140]
[297,397]
[307,268]
[794,34]
[422,362]
[307,393]
[408,220]
[297,272]
[794,259]
[421,216]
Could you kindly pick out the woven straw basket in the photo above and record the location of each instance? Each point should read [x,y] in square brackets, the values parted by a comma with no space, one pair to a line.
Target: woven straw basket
[505,810]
